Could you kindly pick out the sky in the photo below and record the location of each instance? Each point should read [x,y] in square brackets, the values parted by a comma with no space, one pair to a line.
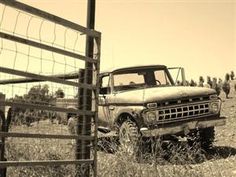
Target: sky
[195,34]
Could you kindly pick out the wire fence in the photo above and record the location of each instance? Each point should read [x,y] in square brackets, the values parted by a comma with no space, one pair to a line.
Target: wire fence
[48,106]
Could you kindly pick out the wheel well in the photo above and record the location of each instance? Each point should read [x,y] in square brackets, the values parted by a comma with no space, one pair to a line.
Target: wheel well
[123,117]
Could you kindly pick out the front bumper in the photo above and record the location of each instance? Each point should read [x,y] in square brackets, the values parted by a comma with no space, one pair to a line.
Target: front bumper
[184,127]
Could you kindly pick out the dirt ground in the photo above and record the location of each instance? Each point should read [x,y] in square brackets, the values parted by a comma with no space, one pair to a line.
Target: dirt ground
[226,135]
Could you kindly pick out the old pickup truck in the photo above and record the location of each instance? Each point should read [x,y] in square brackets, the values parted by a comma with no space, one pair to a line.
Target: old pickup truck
[144,101]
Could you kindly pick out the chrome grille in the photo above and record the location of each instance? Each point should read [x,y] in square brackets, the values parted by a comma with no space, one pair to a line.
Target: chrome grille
[183,111]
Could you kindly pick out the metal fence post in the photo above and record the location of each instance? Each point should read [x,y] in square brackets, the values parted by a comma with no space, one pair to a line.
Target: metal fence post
[4,128]
[2,145]
[85,95]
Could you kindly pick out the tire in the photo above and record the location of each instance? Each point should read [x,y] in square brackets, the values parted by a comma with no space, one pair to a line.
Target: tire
[207,137]
[204,137]
[129,137]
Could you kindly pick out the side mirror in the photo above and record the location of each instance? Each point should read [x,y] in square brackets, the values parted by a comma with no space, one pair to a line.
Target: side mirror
[104,90]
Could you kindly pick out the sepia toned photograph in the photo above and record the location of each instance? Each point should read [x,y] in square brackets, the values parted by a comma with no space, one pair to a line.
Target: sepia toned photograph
[118,88]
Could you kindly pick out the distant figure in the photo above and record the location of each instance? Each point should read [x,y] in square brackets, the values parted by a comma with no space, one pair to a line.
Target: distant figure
[226,85]
[71,123]
[235,87]
[209,81]
[37,116]
[220,82]
[53,116]
[201,81]
[232,75]
[28,117]
[192,83]
[187,83]
[216,86]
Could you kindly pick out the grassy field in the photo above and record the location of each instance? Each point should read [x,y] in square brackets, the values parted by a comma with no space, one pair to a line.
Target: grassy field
[182,160]
[219,162]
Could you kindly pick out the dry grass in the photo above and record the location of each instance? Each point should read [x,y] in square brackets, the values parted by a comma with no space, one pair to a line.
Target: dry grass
[183,160]
[177,160]
[22,149]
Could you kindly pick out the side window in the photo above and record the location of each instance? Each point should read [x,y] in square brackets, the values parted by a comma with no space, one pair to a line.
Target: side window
[105,85]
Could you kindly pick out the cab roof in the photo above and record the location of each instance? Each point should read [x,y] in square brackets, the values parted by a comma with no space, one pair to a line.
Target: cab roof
[117,69]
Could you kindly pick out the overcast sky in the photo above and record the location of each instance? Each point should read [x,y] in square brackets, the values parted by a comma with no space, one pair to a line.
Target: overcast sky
[199,35]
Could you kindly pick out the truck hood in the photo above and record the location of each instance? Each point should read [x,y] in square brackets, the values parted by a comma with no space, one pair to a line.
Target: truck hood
[158,94]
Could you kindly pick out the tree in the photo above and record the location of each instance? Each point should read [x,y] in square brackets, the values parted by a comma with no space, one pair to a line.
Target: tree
[38,94]
[59,93]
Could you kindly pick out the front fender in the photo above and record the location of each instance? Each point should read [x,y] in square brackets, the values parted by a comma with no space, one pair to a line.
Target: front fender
[133,111]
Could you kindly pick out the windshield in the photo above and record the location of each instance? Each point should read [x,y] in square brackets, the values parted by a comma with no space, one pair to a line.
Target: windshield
[141,78]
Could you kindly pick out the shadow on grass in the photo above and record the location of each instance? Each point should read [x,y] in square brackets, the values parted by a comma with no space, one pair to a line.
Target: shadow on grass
[220,152]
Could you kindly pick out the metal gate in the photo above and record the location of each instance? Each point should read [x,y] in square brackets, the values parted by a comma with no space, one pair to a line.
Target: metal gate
[43,59]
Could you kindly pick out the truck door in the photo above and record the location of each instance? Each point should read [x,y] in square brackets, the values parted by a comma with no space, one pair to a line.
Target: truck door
[104,99]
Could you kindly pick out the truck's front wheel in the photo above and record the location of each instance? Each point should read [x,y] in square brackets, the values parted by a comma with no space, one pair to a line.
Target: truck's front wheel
[207,136]
[129,137]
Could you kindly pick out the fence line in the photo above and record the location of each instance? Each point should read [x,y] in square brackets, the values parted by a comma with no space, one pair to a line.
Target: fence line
[88,110]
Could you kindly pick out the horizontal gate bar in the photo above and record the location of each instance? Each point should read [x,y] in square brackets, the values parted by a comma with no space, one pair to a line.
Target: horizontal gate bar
[4,164]
[46,107]
[50,17]
[29,80]
[45,47]
[45,78]
[45,136]
[36,76]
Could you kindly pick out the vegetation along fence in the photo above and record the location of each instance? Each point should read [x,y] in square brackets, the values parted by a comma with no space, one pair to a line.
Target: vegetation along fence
[47,60]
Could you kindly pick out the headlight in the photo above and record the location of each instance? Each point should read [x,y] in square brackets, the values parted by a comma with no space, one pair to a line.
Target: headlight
[151,116]
[215,107]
